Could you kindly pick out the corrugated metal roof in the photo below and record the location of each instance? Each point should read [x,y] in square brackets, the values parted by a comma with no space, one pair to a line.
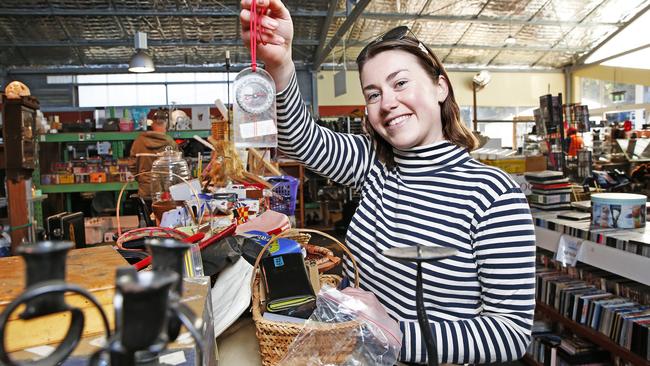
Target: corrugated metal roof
[465,33]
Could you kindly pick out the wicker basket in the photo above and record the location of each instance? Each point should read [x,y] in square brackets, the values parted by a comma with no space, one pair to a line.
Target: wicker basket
[275,337]
[324,258]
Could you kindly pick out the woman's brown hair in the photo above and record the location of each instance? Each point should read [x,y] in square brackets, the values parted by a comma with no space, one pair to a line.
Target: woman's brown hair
[453,129]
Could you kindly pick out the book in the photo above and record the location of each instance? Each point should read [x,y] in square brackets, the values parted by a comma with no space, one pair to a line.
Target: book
[639,340]
[544,176]
[549,186]
[550,207]
[286,282]
[282,318]
[626,326]
[572,308]
[549,198]
[607,318]
[583,304]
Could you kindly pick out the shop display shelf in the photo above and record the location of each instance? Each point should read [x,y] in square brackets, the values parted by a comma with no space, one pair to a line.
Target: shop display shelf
[620,262]
[592,335]
[87,187]
[113,136]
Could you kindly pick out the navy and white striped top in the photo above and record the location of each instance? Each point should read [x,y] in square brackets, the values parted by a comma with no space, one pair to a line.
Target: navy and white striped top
[480,303]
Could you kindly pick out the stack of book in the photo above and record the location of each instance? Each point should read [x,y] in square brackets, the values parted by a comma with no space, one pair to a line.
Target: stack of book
[549,348]
[578,351]
[550,190]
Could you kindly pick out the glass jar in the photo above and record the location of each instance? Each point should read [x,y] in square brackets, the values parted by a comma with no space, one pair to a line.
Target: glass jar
[166,170]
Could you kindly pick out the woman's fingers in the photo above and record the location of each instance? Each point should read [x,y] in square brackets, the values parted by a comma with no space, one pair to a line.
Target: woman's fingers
[266,21]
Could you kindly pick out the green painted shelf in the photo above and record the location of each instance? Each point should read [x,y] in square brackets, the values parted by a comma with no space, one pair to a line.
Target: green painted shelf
[113,136]
[87,187]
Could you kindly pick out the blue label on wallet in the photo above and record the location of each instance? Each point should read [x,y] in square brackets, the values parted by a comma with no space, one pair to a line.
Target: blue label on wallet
[278,261]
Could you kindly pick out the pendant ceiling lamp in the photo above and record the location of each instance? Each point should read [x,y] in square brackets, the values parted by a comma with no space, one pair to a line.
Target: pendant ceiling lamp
[141,61]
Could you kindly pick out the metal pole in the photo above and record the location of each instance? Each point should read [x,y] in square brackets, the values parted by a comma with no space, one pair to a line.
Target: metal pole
[474,112]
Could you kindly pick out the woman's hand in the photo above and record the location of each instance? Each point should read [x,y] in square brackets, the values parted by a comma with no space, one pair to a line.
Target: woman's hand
[277,33]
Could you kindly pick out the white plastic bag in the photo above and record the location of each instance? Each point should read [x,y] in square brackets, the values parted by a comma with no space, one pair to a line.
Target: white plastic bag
[372,339]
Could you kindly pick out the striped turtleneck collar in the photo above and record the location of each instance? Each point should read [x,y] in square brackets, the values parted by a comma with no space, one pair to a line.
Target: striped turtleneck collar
[427,157]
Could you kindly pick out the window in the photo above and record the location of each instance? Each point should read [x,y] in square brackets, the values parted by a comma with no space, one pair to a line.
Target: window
[601,93]
[152,89]
[497,121]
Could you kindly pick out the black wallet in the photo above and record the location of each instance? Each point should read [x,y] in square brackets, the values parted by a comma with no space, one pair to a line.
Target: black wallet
[286,282]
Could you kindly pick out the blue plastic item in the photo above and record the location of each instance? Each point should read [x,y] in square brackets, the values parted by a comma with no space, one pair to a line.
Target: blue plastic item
[279,247]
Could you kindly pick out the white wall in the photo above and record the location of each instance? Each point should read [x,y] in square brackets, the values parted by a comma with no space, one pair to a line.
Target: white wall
[505,89]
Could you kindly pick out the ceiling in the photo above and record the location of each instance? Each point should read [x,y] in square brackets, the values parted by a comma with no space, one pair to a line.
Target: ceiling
[182,34]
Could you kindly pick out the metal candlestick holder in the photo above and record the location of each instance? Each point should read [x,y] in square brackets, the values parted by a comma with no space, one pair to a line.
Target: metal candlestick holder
[419,254]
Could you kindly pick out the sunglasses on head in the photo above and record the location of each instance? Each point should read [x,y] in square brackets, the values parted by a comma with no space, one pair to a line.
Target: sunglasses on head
[395,34]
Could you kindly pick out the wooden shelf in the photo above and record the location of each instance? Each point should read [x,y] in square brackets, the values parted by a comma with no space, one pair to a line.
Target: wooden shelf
[591,335]
[528,360]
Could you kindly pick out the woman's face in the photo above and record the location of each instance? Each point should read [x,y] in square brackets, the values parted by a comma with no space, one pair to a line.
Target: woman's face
[402,100]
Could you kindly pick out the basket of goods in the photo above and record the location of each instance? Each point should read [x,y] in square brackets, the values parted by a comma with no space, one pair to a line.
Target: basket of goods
[275,337]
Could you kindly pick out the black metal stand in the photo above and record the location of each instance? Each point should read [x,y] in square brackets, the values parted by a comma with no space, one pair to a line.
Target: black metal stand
[419,254]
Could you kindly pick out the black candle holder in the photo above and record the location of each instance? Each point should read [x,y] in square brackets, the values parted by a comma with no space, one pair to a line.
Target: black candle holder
[44,261]
[169,255]
[144,305]
[141,308]
[44,295]
[419,254]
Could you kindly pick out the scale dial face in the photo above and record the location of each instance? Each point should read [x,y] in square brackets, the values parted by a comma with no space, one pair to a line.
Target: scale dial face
[255,94]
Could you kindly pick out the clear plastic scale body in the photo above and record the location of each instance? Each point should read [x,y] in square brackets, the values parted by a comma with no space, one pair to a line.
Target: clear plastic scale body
[254,110]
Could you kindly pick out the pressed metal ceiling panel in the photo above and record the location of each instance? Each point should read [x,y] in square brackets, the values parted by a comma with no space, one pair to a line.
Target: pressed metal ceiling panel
[585,38]
[471,33]
[470,57]
[454,7]
[554,59]
[436,33]
[93,28]
[509,57]
[397,6]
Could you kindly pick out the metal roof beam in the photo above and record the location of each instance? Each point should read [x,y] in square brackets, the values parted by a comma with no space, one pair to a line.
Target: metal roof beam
[297,13]
[151,43]
[76,50]
[237,42]
[326,26]
[323,52]
[118,20]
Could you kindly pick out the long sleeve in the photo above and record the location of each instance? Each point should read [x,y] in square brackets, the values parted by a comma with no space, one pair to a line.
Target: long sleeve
[344,158]
[504,249]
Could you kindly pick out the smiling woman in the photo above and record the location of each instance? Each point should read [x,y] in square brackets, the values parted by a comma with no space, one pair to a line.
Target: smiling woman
[418,186]
[413,77]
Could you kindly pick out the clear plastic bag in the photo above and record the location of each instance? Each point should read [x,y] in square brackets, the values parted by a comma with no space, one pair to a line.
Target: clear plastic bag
[348,327]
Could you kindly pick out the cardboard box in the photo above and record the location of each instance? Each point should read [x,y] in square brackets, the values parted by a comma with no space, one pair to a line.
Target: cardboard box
[96,228]
[535,163]
[510,165]
[98,177]
[92,268]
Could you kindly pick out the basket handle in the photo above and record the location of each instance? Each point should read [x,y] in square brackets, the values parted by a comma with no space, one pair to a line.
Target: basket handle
[119,200]
[292,231]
